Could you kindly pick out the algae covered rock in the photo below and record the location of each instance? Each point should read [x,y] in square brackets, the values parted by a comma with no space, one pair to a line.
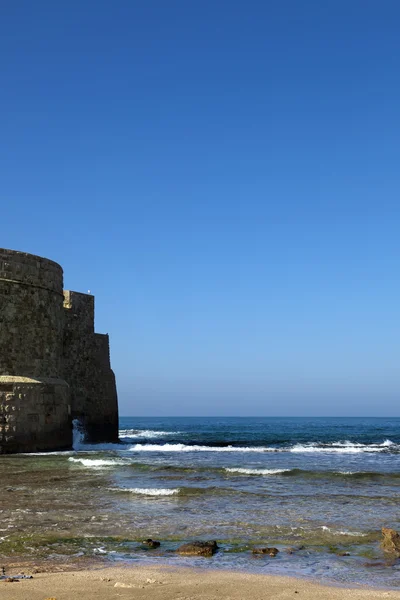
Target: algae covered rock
[269,551]
[391,541]
[198,548]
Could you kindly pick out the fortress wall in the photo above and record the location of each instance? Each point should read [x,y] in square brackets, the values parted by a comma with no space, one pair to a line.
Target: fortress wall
[34,414]
[86,365]
[31,315]
[31,326]
[105,421]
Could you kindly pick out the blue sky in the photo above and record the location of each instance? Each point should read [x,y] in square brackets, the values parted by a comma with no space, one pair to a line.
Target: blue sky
[224,177]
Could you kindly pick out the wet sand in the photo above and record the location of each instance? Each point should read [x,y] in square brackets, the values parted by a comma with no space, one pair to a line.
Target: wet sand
[171,584]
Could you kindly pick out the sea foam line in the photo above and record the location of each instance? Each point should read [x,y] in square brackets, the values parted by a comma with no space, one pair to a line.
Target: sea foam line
[145,433]
[336,532]
[148,491]
[97,462]
[257,471]
[345,447]
[187,448]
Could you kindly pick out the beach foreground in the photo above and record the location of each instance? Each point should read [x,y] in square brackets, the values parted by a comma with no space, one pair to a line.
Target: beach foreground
[168,583]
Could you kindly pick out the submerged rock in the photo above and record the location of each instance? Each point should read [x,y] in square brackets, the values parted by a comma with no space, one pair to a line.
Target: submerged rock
[293,549]
[391,542]
[149,543]
[198,548]
[269,551]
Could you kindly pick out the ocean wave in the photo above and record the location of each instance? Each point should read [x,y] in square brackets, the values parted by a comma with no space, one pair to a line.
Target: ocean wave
[97,462]
[344,447]
[188,448]
[243,471]
[148,491]
[144,433]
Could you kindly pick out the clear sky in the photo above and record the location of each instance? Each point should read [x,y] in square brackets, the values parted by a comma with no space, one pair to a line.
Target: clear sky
[223,175]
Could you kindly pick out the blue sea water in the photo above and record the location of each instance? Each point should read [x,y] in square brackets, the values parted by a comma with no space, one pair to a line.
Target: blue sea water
[323,487]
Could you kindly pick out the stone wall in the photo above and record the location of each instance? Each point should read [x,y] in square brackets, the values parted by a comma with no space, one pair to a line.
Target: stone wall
[34,398]
[53,367]
[34,414]
[86,364]
[31,315]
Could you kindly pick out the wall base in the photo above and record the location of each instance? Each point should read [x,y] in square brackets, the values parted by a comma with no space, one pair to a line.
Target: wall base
[35,415]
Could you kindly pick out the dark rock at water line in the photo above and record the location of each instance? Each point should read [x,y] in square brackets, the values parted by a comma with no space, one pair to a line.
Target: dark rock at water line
[293,549]
[151,544]
[269,551]
[198,548]
[378,564]
[391,541]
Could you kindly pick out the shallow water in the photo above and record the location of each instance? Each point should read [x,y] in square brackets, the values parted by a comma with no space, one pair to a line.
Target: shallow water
[326,484]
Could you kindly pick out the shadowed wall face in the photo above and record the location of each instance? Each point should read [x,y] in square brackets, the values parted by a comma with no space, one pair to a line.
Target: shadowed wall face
[86,364]
[34,398]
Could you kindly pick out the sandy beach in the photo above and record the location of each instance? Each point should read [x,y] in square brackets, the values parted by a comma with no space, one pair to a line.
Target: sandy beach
[168,583]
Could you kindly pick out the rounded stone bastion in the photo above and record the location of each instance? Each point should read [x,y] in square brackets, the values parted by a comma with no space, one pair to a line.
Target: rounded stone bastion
[34,398]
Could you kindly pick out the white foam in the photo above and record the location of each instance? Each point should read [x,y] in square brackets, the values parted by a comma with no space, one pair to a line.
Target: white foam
[97,462]
[144,433]
[257,471]
[185,448]
[149,491]
[341,447]
[78,435]
[351,533]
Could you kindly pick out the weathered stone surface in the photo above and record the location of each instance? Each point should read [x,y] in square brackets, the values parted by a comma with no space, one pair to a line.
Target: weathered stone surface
[198,549]
[391,541]
[269,551]
[53,367]
[86,365]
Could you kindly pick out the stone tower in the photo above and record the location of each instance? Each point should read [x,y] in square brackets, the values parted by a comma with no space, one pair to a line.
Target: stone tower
[53,367]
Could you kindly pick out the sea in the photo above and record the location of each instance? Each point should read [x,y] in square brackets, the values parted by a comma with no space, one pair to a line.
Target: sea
[317,489]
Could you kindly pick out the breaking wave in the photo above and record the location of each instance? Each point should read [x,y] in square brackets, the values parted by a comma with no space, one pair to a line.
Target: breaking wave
[97,462]
[340,447]
[345,447]
[148,491]
[243,471]
[144,433]
[188,448]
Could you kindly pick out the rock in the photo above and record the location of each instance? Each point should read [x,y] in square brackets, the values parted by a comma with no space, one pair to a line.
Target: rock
[10,580]
[391,541]
[293,549]
[149,543]
[343,554]
[270,551]
[198,549]
[374,564]
[120,584]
